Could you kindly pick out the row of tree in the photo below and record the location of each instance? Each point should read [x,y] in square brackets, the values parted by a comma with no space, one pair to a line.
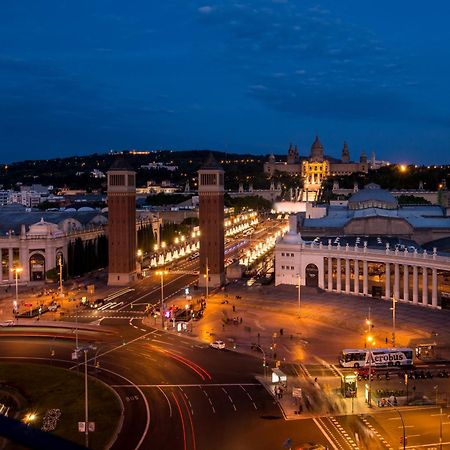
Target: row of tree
[85,256]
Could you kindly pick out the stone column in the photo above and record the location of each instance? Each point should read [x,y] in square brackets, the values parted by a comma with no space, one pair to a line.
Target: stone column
[330,274]
[406,283]
[424,286]
[338,275]
[347,276]
[396,281]
[388,281]
[415,285]
[434,287]
[356,284]
[365,278]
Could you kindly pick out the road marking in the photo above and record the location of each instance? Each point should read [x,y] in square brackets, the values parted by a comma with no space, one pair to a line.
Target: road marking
[229,398]
[434,444]
[201,385]
[168,401]
[375,431]
[342,432]
[327,434]
[209,399]
[115,348]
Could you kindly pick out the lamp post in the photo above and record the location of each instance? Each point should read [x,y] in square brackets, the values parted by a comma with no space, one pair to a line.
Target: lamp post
[370,342]
[299,300]
[161,273]
[60,264]
[86,401]
[394,301]
[139,257]
[207,280]
[16,271]
[403,423]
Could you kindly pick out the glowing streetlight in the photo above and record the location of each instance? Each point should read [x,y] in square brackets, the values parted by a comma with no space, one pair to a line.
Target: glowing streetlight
[161,273]
[30,417]
[16,271]
[156,247]
[163,244]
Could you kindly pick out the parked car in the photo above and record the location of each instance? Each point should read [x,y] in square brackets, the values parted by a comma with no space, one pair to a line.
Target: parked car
[53,307]
[220,345]
[7,323]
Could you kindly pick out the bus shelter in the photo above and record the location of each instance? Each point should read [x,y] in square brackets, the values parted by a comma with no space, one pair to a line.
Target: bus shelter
[349,386]
[278,376]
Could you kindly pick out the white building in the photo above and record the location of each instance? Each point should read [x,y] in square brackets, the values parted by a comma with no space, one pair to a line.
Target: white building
[411,276]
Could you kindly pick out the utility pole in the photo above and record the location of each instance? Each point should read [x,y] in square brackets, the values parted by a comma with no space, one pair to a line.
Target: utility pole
[394,301]
[299,282]
[207,279]
[86,401]
[60,275]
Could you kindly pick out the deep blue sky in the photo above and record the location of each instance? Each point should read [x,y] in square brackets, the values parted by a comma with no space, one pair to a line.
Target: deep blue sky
[86,76]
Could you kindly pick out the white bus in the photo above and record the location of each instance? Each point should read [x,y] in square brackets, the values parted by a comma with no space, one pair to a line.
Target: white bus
[381,357]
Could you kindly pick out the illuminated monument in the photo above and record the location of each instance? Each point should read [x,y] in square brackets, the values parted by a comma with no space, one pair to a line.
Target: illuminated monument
[211,218]
[121,224]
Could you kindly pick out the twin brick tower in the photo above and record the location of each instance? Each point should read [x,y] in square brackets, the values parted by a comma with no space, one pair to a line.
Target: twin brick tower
[122,224]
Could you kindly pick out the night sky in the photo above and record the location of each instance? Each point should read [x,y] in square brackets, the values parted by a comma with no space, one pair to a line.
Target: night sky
[79,77]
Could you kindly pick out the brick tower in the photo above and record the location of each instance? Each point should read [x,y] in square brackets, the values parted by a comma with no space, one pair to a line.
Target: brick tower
[121,224]
[210,192]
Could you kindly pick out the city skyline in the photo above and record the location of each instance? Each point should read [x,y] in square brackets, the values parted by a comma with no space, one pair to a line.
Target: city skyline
[241,78]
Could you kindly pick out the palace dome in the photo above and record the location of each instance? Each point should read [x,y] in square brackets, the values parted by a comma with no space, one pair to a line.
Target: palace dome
[372,196]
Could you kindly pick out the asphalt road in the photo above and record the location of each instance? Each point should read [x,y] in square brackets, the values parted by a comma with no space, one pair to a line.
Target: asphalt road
[180,394]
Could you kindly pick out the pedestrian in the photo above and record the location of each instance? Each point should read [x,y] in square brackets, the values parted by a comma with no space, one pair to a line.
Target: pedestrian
[240,320]
[386,340]
[234,308]
[223,327]
[281,331]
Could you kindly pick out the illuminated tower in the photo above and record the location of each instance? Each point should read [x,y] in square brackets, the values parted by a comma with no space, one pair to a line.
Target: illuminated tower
[121,224]
[211,217]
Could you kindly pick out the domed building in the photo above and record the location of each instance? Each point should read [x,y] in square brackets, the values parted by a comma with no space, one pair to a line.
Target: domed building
[315,167]
[372,196]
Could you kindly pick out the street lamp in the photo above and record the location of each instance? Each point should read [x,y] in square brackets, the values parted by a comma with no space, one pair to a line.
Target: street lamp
[139,256]
[370,342]
[161,273]
[299,284]
[16,271]
[60,264]
[163,244]
[207,280]
[394,301]
[403,423]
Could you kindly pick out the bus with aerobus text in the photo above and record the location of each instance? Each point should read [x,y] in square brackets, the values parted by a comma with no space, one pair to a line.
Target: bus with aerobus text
[381,357]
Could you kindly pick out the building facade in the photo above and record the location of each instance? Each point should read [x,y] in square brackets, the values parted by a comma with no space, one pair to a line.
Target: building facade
[211,221]
[417,277]
[121,224]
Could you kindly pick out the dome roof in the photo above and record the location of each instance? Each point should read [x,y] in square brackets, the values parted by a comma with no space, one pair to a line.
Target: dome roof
[372,196]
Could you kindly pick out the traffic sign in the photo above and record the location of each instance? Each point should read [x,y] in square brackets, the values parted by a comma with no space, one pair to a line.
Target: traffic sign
[81,427]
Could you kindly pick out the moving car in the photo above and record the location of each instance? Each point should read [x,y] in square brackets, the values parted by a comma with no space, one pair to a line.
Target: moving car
[218,344]
[97,303]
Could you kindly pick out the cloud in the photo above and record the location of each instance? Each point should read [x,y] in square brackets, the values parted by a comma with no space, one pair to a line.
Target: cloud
[345,71]
[207,9]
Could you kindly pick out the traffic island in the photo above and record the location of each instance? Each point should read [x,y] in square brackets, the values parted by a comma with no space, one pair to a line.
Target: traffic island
[52,399]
